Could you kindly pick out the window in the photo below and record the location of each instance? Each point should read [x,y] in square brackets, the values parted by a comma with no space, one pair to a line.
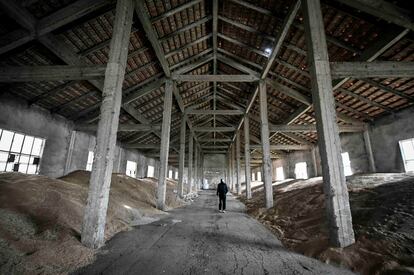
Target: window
[280,175]
[150,172]
[253,177]
[301,171]
[407,152]
[90,161]
[176,175]
[170,174]
[20,152]
[346,163]
[131,168]
[259,176]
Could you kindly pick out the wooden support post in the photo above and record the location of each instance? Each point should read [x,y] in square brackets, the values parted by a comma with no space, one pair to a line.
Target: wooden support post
[93,227]
[190,162]
[181,165]
[267,162]
[247,157]
[238,171]
[165,144]
[370,155]
[336,192]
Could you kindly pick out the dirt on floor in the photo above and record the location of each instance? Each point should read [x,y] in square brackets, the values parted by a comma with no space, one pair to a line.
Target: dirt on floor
[382,208]
[41,218]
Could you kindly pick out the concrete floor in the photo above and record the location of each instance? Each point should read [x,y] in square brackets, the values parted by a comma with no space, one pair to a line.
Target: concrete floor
[198,240]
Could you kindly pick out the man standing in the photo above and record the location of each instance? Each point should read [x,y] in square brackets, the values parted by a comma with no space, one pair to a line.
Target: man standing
[221,192]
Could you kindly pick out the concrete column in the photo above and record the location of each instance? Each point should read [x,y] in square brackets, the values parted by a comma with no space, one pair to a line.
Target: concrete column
[233,168]
[238,172]
[120,160]
[247,157]
[93,227]
[315,164]
[165,144]
[267,162]
[196,168]
[182,157]
[190,163]
[368,148]
[336,191]
[70,152]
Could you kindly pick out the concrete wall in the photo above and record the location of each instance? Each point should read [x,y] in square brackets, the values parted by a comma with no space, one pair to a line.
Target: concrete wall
[214,168]
[385,134]
[17,116]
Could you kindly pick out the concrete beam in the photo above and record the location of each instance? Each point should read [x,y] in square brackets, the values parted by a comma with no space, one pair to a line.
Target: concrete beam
[50,73]
[336,192]
[381,69]
[212,78]
[93,227]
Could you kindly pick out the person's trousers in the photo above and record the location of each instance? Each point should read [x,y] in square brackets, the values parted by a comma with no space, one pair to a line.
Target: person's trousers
[222,203]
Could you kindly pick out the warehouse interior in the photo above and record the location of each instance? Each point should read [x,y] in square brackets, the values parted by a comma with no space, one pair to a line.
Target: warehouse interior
[119,115]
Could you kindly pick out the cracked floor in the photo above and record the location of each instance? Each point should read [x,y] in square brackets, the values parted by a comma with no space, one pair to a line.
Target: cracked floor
[197,239]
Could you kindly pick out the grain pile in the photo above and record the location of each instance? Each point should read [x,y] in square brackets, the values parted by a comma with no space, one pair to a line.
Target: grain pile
[41,218]
[383,216]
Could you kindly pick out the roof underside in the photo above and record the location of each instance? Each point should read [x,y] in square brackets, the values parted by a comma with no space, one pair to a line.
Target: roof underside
[246,31]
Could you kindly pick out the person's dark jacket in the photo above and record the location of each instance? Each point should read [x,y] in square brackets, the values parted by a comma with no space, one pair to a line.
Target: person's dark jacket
[222,189]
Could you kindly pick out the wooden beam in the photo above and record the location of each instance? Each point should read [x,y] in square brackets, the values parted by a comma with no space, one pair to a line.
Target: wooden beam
[215,112]
[151,35]
[175,10]
[51,22]
[121,127]
[209,140]
[243,45]
[288,147]
[214,129]
[187,45]
[292,128]
[218,78]
[384,10]
[383,69]
[387,89]
[50,73]
[185,28]
[290,92]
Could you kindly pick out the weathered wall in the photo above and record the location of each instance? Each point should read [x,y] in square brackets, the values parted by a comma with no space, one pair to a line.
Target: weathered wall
[385,134]
[17,116]
[214,168]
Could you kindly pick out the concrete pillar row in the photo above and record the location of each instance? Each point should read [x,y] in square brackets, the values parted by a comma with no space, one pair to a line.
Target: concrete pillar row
[336,191]
[93,227]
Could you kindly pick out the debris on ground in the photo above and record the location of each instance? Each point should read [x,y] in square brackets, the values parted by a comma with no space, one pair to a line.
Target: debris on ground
[382,208]
[41,218]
